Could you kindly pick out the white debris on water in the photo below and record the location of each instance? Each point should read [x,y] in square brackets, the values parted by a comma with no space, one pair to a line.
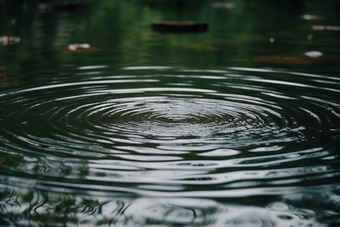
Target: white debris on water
[313,54]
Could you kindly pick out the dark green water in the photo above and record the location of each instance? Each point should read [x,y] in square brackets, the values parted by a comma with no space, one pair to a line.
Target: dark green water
[235,126]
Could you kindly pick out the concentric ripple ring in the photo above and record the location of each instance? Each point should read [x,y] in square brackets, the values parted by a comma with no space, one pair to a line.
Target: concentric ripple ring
[202,126]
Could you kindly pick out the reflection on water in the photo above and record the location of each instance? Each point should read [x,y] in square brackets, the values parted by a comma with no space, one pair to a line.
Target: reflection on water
[175,132]
[35,209]
[236,126]
[49,209]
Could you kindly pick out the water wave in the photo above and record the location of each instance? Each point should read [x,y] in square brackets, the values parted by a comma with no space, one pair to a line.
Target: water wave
[124,211]
[176,131]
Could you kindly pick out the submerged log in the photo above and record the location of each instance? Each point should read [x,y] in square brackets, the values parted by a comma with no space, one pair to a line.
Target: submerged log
[308,58]
[61,6]
[179,27]
[223,5]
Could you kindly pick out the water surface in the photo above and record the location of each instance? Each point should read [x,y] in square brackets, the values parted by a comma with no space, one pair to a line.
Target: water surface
[236,126]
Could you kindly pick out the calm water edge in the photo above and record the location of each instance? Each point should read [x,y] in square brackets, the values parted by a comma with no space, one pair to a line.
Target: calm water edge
[235,125]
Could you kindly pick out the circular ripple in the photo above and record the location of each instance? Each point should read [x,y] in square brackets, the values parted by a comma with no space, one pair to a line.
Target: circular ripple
[100,117]
[171,117]
[180,127]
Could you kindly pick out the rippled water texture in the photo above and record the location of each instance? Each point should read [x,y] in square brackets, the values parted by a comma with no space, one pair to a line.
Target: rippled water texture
[174,132]
[108,120]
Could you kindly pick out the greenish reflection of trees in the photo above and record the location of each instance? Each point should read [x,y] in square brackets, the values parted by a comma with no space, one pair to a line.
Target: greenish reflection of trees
[121,32]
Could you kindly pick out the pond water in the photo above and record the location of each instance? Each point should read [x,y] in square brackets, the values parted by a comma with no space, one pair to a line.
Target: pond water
[237,125]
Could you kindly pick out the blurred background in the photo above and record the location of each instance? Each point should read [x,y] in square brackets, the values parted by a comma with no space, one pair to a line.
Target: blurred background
[240,32]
